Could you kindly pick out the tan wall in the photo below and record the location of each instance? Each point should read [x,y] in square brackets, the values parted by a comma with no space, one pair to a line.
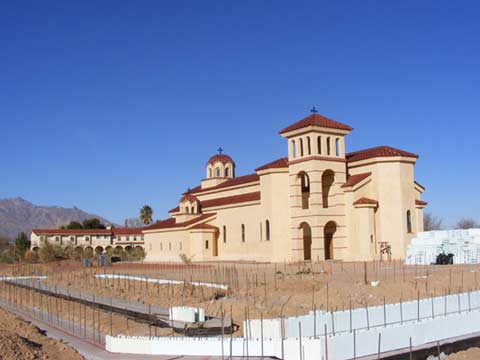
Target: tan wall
[392,185]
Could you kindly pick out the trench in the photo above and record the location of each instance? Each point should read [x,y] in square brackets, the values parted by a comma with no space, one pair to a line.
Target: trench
[139,312]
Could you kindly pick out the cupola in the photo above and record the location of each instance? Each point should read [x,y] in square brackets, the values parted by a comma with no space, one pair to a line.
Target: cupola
[315,136]
[219,168]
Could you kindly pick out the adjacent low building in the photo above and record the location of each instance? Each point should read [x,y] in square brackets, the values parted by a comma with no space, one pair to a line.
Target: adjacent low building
[98,240]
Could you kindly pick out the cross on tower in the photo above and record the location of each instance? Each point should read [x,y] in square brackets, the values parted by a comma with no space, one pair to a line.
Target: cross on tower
[220,150]
[313,110]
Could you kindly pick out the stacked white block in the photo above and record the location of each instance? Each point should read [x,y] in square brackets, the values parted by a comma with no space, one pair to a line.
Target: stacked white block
[426,246]
[187,314]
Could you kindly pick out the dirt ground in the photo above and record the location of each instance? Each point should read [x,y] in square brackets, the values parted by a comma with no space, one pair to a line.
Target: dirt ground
[20,340]
[470,354]
[268,290]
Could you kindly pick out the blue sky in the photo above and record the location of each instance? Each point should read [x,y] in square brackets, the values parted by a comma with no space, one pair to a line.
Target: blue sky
[109,105]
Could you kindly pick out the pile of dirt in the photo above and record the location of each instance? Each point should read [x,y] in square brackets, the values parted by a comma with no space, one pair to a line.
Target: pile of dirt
[470,354]
[21,340]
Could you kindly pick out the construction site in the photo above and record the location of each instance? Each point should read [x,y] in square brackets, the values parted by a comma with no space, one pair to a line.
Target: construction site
[233,303]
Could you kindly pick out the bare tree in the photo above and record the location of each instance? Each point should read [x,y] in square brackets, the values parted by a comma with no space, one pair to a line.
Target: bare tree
[431,222]
[133,222]
[466,223]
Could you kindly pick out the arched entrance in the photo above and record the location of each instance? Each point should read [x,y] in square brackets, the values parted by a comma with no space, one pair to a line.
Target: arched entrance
[328,232]
[306,232]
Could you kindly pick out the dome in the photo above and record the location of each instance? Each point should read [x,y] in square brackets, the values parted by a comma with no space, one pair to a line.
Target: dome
[223,158]
[189,197]
[220,166]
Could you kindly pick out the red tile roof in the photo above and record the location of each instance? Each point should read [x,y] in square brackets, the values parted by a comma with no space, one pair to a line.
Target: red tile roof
[175,209]
[316,120]
[379,151]
[241,180]
[126,231]
[365,201]
[189,197]
[72,231]
[205,226]
[279,163]
[355,179]
[223,158]
[235,199]
[172,222]
[420,202]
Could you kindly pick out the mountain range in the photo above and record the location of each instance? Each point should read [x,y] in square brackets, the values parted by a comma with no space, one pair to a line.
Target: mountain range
[17,214]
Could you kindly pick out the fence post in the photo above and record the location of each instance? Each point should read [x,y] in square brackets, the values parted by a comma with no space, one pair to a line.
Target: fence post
[379,343]
[326,343]
[299,339]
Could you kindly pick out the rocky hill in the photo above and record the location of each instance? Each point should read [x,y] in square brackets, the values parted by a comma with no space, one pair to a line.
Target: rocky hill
[18,214]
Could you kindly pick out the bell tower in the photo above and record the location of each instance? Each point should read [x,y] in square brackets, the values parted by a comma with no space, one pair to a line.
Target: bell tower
[317,169]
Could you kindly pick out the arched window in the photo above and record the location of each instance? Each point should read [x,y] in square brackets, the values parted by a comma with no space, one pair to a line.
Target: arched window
[328,178]
[267,230]
[243,233]
[319,145]
[206,244]
[227,170]
[294,149]
[224,234]
[328,146]
[309,147]
[409,221]
[192,210]
[217,172]
[187,209]
[305,190]
[337,147]
[209,172]
[301,147]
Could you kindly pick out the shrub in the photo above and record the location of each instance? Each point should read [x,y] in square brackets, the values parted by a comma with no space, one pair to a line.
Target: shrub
[138,253]
[31,256]
[185,259]
[49,252]
[7,256]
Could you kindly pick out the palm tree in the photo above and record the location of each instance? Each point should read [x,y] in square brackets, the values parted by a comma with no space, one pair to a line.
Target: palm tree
[146,213]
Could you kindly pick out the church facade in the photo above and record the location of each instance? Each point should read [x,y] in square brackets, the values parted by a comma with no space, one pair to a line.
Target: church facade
[320,202]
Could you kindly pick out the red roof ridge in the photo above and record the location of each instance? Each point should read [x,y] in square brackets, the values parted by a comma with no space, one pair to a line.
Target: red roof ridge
[420,202]
[172,222]
[72,231]
[234,199]
[205,226]
[126,230]
[365,201]
[355,179]
[316,120]
[275,164]
[240,180]
[377,151]
[175,209]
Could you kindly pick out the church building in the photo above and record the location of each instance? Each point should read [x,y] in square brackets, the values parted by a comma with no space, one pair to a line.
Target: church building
[319,202]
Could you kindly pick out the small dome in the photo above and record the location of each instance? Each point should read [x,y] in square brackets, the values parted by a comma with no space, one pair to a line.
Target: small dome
[224,159]
[189,197]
